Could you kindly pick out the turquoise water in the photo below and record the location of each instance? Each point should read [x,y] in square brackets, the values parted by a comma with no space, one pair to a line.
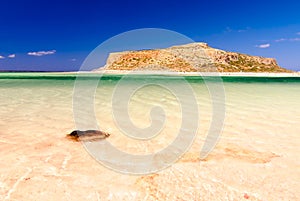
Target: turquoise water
[45,95]
[262,114]
[243,95]
[262,117]
[4,75]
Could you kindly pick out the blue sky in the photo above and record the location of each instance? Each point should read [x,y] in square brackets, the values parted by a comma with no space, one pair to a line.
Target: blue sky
[58,35]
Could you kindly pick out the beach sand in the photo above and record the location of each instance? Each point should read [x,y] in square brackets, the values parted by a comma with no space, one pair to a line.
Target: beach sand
[256,158]
[173,73]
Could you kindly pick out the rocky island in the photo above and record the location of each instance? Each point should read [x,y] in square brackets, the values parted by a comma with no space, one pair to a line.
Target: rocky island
[193,57]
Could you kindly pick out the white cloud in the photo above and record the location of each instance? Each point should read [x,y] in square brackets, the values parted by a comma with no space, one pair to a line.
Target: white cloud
[288,39]
[228,30]
[11,56]
[264,45]
[244,30]
[294,39]
[73,59]
[41,53]
[281,40]
[2,57]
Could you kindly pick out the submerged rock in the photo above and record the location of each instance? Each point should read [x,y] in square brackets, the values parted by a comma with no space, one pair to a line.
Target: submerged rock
[88,135]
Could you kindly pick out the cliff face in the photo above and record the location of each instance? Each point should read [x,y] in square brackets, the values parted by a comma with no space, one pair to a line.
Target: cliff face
[191,58]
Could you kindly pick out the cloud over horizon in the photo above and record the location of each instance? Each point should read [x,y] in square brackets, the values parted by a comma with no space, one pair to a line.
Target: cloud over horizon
[264,45]
[2,57]
[294,39]
[287,39]
[41,53]
[11,56]
[281,40]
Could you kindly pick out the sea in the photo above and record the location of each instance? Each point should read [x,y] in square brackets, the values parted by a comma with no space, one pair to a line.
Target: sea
[205,138]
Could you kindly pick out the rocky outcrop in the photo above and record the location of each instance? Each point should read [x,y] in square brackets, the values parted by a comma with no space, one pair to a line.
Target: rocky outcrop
[194,57]
[88,135]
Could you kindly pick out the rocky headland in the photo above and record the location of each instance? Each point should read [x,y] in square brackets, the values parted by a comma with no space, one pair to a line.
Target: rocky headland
[193,57]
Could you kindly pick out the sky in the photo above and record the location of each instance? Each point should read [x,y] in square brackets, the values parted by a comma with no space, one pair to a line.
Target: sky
[59,35]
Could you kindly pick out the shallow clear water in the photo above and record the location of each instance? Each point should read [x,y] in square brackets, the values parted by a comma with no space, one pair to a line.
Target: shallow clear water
[258,147]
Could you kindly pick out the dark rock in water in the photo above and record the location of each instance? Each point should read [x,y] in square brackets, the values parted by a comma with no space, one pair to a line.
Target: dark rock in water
[88,135]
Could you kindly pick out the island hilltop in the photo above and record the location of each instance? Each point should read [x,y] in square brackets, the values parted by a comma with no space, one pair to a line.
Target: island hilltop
[193,57]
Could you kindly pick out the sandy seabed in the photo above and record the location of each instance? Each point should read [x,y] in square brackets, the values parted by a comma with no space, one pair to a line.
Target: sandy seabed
[256,158]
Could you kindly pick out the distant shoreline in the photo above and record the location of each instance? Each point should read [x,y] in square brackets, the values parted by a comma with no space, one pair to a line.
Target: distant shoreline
[166,73]
[243,74]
